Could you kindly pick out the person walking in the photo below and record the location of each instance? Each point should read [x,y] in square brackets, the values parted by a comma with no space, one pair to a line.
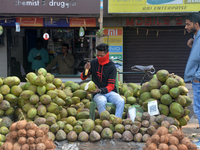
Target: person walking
[103,73]
[192,70]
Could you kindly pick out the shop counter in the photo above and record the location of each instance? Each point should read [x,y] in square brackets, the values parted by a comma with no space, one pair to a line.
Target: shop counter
[68,77]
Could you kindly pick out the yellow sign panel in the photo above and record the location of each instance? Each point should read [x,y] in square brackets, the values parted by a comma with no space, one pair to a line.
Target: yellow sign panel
[149,6]
[113,40]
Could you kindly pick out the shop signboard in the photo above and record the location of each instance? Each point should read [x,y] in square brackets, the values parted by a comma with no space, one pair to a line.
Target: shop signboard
[30,22]
[115,42]
[115,49]
[56,22]
[82,22]
[7,21]
[154,21]
[50,6]
[152,6]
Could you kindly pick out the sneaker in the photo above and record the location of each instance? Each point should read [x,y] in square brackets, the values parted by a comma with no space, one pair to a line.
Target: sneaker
[197,144]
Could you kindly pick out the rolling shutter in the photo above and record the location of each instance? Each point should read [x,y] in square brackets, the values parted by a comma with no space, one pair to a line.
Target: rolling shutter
[168,50]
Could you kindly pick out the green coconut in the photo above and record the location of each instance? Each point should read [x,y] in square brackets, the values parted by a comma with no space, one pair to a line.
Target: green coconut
[90,86]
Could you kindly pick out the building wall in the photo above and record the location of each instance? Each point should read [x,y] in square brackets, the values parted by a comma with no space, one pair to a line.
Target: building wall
[3,58]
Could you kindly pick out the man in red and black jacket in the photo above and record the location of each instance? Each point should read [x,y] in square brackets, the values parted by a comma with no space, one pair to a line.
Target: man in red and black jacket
[103,73]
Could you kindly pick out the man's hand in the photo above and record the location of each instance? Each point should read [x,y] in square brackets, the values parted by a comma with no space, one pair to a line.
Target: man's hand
[190,42]
[38,57]
[87,66]
[96,91]
[65,54]
[196,81]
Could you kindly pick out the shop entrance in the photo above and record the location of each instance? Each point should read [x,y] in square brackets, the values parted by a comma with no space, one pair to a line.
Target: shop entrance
[20,44]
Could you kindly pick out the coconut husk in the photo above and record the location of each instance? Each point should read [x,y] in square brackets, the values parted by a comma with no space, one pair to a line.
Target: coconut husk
[173,140]
[45,137]
[179,134]
[39,133]
[25,147]
[13,127]
[32,147]
[148,142]
[39,140]
[21,133]
[45,130]
[22,140]
[172,147]
[163,146]
[162,131]
[21,124]
[17,146]
[30,126]
[49,144]
[30,140]
[152,146]
[192,146]
[155,139]
[7,146]
[30,133]
[10,139]
[40,146]
[186,141]
[164,139]
[13,134]
[182,147]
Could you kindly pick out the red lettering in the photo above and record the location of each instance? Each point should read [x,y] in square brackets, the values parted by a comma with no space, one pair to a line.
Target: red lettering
[154,21]
[141,21]
[167,21]
[158,23]
[179,21]
[130,23]
[148,21]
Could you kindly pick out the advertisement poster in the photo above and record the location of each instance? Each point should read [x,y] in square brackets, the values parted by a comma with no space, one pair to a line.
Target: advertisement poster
[115,42]
[152,6]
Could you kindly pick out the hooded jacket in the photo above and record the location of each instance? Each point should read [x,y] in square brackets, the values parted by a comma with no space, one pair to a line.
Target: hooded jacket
[192,70]
[102,75]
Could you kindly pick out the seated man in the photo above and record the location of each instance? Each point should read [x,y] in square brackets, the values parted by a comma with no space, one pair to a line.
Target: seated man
[64,60]
[103,73]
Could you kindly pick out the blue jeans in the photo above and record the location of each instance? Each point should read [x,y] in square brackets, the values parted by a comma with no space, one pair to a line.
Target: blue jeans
[196,96]
[112,97]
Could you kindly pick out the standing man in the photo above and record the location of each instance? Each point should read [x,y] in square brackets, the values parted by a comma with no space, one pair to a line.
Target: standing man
[103,73]
[38,56]
[16,69]
[64,60]
[192,70]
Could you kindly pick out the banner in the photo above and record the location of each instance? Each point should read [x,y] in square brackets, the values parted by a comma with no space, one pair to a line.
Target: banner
[56,22]
[82,22]
[30,22]
[149,6]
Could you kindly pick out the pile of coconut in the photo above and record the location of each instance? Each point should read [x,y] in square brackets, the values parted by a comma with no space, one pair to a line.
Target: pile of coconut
[27,136]
[165,141]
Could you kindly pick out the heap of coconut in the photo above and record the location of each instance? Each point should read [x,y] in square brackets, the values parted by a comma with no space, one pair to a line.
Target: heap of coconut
[25,136]
[165,141]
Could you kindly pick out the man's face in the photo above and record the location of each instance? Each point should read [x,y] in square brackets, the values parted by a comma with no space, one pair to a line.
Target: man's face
[190,26]
[64,49]
[101,53]
[39,45]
